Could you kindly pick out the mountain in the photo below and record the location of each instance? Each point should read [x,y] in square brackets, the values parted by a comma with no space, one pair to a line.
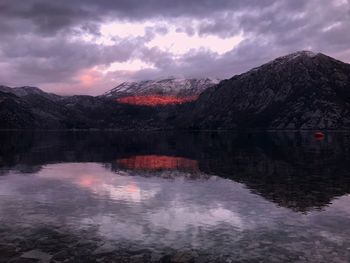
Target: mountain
[160,92]
[33,109]
[36,109]
[27,90]
[14,112]
[302,90]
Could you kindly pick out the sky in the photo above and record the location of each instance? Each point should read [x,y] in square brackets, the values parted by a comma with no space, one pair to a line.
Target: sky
[88,46]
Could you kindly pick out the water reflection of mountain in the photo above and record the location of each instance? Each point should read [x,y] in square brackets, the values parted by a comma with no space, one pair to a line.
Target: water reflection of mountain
[157,163]
[291,169]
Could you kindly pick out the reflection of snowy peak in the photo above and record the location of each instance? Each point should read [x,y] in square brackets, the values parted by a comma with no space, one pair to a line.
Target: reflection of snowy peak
[171,86]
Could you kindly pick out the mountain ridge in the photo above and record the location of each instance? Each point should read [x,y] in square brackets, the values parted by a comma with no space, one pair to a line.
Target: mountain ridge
[171,86]
[302,90]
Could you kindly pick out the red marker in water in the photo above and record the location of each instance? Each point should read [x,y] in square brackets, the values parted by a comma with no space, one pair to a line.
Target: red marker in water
[319,135]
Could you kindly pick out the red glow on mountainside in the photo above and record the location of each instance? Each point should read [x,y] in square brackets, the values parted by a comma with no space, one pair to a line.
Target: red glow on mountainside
[155,100]
[158,162]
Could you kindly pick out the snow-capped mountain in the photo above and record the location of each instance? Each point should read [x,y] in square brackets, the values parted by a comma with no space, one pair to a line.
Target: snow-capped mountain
[170,87]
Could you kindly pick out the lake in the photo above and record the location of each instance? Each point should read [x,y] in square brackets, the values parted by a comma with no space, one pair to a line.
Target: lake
[98,196]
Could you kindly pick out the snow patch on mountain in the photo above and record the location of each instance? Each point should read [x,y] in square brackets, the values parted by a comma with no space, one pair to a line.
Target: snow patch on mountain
[170,86]
[295,55]
[284,60]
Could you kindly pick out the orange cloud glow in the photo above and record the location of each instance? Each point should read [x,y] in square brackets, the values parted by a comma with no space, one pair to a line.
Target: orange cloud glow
[88,181]
[89,77]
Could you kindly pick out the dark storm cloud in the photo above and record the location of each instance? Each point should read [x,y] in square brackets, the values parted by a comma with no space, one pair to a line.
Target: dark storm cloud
[50,16]
[41,41]
[59,57]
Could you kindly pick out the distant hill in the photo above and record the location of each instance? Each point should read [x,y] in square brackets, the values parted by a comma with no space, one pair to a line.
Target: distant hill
[26,90]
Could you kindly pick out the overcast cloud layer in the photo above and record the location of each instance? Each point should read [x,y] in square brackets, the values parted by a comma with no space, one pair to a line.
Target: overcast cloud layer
[88,46]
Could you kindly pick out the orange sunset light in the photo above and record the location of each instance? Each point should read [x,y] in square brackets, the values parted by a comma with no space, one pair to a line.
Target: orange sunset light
[155,100]
[157,162]
[88,181]
[89,77]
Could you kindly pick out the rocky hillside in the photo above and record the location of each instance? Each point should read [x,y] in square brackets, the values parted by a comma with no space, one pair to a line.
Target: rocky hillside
[170,86]
[14,112]
[302,90]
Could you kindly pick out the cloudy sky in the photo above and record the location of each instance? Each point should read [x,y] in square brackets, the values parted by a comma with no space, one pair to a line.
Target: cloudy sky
[89,46]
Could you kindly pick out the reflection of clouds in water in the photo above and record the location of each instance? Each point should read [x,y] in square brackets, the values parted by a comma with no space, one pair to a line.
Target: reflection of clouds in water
[148,206]
[335,218]
[114,229]
[129,192]
[167,203]
[341,204]
[88,181]
[154,211]
[98,180]
[180,218]
[175,227]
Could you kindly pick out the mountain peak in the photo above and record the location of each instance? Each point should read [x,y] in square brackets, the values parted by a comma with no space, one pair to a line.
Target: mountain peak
[279,63]
[296,55]
[305,53]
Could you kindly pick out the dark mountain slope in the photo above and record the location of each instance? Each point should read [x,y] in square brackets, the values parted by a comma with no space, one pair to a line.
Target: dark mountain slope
[41,111]
[49,114]
[14,112]
[302,90]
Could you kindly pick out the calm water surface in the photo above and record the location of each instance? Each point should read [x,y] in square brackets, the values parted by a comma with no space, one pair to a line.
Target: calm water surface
[174,197]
